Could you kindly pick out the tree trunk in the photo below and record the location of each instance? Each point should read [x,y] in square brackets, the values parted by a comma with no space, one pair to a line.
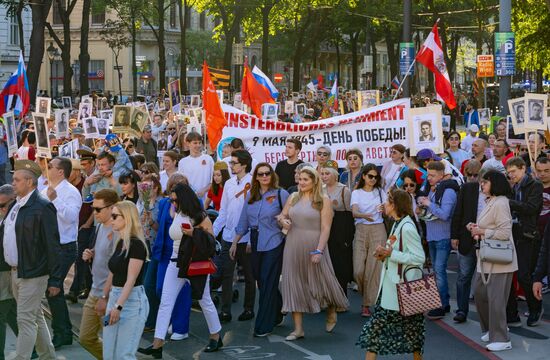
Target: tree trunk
[231,33]
[162,47]
[374,83]
[265,39]
[539,74]
[133,59]
[39,10]
[337,46]
[84,57]
[182,6]
[66,59]
[392,56]
[119,77]
[18,13]
[354,66]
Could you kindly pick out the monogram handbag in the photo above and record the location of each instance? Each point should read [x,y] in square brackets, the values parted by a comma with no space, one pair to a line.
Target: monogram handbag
[416,296]
[204,267]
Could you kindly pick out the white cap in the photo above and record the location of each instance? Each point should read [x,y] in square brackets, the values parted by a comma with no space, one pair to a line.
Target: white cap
[474,128]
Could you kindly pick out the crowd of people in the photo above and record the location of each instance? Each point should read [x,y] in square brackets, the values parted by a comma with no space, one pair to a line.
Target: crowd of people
[148,244]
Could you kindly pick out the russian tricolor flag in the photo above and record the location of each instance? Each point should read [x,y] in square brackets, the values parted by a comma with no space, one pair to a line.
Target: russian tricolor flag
[265,83]
[17,85]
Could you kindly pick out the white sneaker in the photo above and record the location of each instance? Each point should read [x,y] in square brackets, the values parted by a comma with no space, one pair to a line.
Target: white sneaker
[499,346]
[170,330]
[485,337]
[176,336]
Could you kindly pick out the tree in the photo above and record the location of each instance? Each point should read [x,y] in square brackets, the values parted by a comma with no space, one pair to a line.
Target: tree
[115,35]
[40,10]
[183,8]
[84,57]
[65,9]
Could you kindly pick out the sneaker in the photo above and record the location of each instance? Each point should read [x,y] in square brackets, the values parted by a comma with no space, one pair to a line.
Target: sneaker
[485,337]
[499,346]
[436,314]
[514,322]
[177,337]
[460,317]
[534,318]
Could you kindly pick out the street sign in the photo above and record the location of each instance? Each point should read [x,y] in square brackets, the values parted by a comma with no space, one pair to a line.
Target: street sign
[119,67]
[485,66]
[505,53]
[406,57]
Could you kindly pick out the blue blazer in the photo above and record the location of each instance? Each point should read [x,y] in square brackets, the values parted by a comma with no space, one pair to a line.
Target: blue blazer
[163,245]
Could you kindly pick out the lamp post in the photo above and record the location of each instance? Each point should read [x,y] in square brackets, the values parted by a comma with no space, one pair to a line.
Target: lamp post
[52,53]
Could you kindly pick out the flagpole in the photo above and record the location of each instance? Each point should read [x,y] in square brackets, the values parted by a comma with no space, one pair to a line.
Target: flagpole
[403,81]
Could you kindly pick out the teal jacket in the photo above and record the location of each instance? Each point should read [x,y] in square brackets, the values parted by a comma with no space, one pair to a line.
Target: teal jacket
[411,255]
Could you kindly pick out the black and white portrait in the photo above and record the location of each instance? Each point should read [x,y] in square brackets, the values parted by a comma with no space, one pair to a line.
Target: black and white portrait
[102,126]
[84,110]
[139,119]
[66,150]
[301,109]
[90,127]
[121,116]
[67,102]
[163,140]
[41,131]
[426,132]
[11,134]
[536,110]
[519,112]
[535,106]
[269,111]
[484,116]
[62,123]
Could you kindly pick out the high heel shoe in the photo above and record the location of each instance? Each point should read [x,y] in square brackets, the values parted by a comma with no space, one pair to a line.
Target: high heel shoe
[155,353]
[214,345]
[331,321]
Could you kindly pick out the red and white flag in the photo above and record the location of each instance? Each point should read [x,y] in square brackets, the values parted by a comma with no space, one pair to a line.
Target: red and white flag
[431,56]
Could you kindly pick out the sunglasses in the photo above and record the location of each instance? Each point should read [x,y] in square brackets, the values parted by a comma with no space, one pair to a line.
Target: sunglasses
[114,216]
[322,153]
[145,172]
[98,209]
[372,177]
[264,174]
[233,163]
[409,185]
[472,175]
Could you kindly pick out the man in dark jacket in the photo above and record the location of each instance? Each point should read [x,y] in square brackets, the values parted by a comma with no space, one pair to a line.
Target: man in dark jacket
[470,202]
[525,205]
[30,247]
[543,265]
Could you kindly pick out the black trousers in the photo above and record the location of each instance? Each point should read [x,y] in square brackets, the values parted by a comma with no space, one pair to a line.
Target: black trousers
[226,272]
[83,273]
[8,316]
[527,250]
[61,322]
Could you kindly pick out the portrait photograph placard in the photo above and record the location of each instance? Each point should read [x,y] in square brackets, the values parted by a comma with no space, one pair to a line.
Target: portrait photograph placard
[368,98]
[484,116]
[139,120]
[446,122]
[121,118]
[42,138]
[44,105]
[84,111]
[517,113]
[270,111]
[535,106]
[11,134]
[174,93]
[511,137]
[62,123]
[301,109]
[425,123]
[90,128]
[104,122]
[67,102]
[289,107]
[66,150]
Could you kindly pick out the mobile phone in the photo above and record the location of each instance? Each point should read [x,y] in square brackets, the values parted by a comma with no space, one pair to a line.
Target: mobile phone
[106,319]
[186,226]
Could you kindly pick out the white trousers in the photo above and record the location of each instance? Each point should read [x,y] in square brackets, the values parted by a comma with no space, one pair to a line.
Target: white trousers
[170,290]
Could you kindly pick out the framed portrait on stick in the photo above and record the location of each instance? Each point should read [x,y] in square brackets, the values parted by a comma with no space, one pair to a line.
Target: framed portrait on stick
[11,134]
[62,123]
[535,105]
[517,113]
[42,138]
[44,105]
[175,96]
[121,119]
[425,129]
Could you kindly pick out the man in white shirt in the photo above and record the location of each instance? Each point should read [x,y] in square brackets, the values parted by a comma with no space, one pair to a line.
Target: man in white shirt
[67,201]
[238,144]
[234,194]
[197,167]
[31,247]
[466,144]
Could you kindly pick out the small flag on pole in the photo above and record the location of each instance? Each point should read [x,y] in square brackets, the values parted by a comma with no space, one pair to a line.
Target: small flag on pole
[395,83]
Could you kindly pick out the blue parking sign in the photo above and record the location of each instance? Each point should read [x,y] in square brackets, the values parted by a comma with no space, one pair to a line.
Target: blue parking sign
[406,57]
[505,54]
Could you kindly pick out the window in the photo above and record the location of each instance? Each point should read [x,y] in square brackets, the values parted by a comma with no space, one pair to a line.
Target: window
[14,31]
[173,15]
[56,15]
[98,18]
[96,81]
[202,21]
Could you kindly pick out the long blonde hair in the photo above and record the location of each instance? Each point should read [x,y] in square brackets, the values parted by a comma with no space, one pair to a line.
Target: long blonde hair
[133,228]
[317,192]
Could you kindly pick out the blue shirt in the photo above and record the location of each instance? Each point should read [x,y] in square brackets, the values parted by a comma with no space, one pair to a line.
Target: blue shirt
[261,215]
[440,229]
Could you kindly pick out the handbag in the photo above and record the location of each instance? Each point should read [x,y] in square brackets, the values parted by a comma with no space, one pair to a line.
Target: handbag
[416,296]
[493,252]
[205,267]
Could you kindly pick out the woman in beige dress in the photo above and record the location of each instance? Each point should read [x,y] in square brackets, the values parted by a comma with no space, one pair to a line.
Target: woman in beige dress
[308,280]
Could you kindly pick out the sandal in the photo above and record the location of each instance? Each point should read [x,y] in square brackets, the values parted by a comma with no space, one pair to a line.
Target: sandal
[293,336]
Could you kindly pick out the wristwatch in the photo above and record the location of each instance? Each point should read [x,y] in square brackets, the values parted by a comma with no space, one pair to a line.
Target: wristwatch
[118,307]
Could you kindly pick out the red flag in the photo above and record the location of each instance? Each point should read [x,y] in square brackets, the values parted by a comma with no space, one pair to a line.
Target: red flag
[213,113]
[252,93]
[431,56]
[320,84]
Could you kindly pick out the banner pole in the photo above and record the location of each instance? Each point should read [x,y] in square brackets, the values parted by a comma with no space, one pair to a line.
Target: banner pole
[403,81]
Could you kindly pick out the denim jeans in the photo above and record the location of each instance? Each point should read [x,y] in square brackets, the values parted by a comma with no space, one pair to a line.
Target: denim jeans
[466,269]
[121,340]
[61,322]
[439,253]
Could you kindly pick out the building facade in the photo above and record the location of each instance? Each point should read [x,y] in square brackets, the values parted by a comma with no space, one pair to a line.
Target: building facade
[10,42]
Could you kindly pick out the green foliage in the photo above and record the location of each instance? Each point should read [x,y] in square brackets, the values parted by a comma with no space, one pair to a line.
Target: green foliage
[115,35]
[200,45]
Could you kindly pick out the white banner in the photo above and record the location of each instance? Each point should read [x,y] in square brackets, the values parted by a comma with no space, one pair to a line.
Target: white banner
[373,131]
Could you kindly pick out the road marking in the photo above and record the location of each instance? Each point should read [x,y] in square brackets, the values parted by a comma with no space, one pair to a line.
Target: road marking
[240,352]
[310,354]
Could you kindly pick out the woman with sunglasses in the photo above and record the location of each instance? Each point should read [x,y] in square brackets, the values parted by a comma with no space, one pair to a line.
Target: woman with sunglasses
[147,170]
[351,176]
[161,253]
[170,167]
[392,168]
[323,155]
[261,207]
[410,185]
[129,185]
[343,228]
[189,217]
[404,249]
[367,204]
[127,307]
[453,147]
